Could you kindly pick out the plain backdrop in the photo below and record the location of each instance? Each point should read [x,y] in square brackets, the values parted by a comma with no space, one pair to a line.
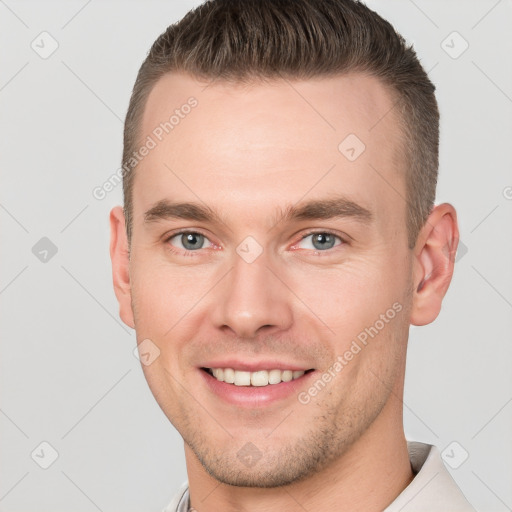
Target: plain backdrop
[68,375]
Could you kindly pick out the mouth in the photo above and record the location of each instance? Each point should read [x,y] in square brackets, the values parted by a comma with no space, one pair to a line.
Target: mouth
[260,378]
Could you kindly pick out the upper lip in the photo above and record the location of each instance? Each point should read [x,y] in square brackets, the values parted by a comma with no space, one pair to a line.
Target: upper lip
[255,366]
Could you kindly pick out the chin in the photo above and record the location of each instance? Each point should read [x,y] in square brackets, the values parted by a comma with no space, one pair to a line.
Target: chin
[277,466]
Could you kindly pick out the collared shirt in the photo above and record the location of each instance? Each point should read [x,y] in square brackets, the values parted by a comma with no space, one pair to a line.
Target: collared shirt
[432,489]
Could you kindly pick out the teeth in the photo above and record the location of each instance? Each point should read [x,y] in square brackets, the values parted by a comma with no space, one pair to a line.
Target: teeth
[274,376]
[218,373]
[287,376]
[229,375]
[242,378]
[259,378]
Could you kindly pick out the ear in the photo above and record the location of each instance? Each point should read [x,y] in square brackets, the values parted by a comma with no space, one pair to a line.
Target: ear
[121,265]
[433,263]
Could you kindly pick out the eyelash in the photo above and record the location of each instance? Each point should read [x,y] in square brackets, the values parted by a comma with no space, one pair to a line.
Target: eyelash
[318,253]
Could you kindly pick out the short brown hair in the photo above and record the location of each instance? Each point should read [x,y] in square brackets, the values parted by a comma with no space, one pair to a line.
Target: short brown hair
[242,40]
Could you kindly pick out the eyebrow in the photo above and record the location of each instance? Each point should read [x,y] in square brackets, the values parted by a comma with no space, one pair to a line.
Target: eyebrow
[320,209]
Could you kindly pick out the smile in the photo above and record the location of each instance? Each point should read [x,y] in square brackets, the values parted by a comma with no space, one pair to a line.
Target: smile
[256,379]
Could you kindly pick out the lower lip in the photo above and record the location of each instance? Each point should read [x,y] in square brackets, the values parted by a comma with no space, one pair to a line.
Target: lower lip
[255,396]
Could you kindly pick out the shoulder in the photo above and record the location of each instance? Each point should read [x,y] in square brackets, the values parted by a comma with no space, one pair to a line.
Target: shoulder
[432,488]
[179,502]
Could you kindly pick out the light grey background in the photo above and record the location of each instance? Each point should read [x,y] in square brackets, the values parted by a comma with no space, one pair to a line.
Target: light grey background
[68,373]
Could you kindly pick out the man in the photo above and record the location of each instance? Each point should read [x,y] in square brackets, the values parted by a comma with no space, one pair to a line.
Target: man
[278,238]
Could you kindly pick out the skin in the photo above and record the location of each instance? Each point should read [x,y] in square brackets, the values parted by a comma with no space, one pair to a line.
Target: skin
[249,151]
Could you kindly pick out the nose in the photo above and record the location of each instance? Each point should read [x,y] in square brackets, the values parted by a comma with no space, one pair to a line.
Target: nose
[252,299]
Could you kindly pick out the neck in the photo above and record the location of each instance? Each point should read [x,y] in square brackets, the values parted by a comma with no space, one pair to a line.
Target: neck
[367,478]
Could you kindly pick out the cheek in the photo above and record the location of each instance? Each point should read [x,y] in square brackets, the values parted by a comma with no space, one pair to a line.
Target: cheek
[363,305]
[163,294]
[349,296]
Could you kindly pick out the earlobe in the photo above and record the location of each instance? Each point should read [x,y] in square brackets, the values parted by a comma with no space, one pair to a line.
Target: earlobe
[434,263]
[119,256]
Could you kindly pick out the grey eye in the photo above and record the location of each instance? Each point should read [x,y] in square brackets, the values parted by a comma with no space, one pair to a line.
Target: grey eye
[192,240]
[320,241]
[189,240]
[323,241]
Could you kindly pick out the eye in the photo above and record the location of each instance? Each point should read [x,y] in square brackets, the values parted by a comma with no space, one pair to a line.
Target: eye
[188,241]
[319,241]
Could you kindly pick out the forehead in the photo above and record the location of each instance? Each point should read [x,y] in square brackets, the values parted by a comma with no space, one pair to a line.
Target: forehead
[268,143]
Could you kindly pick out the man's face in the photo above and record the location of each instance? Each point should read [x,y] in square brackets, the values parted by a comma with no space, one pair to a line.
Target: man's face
[258,290]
